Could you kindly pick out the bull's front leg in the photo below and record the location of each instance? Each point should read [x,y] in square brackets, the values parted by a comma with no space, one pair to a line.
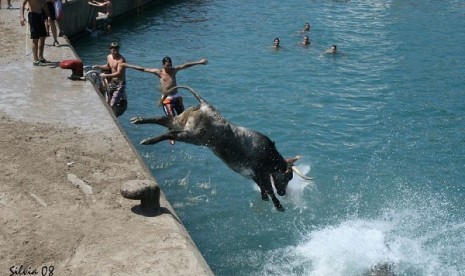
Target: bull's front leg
[163,121]
[276,202]
[264,194]
[266,189]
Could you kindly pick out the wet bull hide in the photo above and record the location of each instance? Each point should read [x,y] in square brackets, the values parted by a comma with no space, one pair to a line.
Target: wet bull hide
[247,152]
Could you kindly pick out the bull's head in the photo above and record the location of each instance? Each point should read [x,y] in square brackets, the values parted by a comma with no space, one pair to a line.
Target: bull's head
[281,179]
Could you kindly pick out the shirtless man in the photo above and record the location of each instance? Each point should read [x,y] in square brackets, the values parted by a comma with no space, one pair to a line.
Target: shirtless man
[172,101]
[116,90]
[37,27]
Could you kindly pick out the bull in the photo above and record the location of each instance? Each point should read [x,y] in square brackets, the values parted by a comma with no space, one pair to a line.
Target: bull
[247,152]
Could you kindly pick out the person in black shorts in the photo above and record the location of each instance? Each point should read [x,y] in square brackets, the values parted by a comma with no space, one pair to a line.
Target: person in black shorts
[50,21]
[37,28]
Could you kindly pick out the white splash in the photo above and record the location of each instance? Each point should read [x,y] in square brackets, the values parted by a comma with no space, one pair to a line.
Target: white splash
[297,186]
[355,245]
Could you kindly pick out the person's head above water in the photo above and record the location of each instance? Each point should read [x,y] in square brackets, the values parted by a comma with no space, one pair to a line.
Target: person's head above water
[306,27]
[331,50]
[306,40]
[276,42]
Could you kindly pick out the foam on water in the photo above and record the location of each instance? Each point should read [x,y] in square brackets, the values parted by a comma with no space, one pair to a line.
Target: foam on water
[298,186]
[295,189]
[415,234]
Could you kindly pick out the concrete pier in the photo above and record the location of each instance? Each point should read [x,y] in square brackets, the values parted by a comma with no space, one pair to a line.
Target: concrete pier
[63,160]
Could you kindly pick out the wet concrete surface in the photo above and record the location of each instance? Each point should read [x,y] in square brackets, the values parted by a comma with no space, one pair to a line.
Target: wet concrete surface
[45,94]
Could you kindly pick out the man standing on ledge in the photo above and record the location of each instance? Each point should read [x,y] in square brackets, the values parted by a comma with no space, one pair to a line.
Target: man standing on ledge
[116,90]
[37,28]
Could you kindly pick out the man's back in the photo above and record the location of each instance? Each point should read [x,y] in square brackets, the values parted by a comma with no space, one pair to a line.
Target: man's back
[36,5]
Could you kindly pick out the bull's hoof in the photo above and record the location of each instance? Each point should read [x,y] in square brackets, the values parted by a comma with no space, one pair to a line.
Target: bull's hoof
[147,191]
[265,197]
[136,120]
[277,204]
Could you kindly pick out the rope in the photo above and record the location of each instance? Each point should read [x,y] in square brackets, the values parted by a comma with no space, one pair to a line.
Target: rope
[26,39]
[25,35]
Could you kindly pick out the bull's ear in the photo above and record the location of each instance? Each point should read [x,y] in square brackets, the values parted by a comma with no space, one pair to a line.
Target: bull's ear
[291,161]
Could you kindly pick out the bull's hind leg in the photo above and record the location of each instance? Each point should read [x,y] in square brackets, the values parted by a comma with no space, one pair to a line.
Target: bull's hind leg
[163,121]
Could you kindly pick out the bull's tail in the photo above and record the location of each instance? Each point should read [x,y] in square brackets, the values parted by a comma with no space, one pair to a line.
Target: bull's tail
[197,96]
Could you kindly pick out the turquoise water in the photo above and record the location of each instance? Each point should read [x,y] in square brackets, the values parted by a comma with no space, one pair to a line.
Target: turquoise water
[381,127]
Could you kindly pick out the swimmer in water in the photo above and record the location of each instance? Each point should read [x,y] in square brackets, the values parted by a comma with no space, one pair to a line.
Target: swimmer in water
[305,41]
[331,50]
[276,43]
[306,27]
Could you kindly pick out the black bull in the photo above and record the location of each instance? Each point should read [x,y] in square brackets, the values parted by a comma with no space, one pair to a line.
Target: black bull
[247,152]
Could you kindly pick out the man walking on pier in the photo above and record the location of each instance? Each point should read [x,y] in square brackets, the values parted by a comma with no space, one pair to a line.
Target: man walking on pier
[37,28]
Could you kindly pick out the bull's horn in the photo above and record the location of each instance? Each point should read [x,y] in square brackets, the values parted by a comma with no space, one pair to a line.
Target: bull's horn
[299,173]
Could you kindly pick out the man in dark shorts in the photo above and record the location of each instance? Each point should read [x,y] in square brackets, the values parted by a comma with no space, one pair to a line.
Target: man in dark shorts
[37,28]
[51,21]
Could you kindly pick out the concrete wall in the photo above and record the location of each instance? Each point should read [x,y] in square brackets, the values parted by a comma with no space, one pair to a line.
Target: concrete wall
[78,14]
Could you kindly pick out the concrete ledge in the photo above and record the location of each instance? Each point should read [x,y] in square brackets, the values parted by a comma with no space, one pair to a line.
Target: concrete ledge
[64,158]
